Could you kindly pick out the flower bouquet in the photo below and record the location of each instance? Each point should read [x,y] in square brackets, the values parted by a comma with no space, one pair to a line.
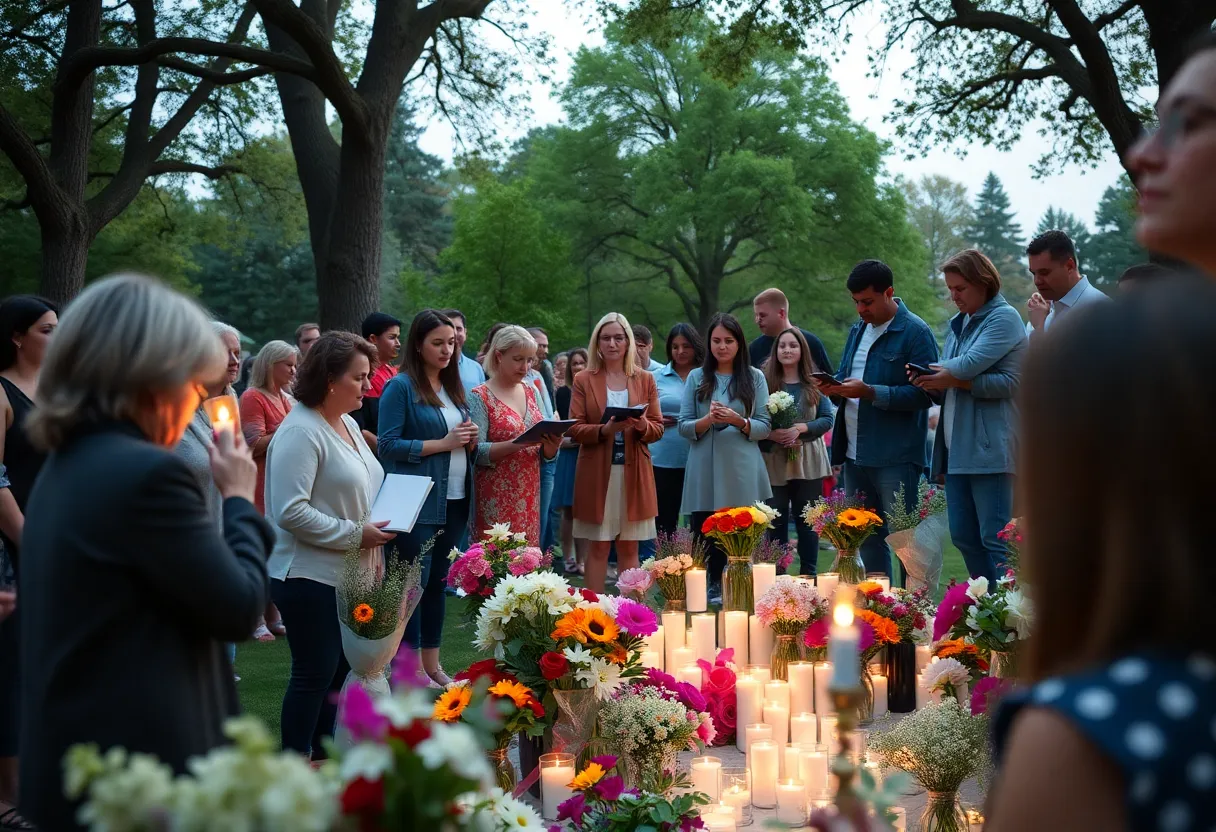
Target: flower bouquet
[499,811]
[917,536]
[737,531]
[846,523]
[718,690]
[478,570]
[966,653]
[603,804]
[783,413]
[788,608]
[668,574]
[1011,536]
[992,619]
[948,679]
[649,724]
[772,551]
[941,745]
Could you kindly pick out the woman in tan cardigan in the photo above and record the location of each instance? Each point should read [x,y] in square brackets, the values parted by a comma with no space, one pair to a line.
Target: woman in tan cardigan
[614,495]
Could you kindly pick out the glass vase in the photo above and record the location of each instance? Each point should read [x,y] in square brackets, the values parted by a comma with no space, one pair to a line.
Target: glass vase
[504,771]
[674,605]
[644,770]
[1003,665]
[785,650]
[865,708]
[944,813]
[577,713]
[849,565]
[737,584]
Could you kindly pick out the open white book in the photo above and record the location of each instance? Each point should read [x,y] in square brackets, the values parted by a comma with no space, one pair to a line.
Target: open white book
[400,500]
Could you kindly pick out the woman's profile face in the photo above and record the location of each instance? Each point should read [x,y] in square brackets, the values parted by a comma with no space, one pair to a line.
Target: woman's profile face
[232,347]
[284,372]
[33,342]
[349,388]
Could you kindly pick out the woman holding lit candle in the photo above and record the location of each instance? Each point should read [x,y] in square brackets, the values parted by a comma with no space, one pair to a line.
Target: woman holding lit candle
[614,495]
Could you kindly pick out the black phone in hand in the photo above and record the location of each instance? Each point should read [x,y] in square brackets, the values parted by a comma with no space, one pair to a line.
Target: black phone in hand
[921,369]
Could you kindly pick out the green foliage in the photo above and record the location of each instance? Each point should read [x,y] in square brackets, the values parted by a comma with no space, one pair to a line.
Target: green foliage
[940,209]
[1056,219]
[1113,247]
[995,232]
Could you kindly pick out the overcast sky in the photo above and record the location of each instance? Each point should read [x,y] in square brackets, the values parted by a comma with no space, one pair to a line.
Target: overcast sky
[1075,189]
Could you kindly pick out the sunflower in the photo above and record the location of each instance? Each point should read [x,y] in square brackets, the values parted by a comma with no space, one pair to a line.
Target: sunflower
[571,625]
[886,631]
[452,702]
[363,613]
[588,777]
[854,518]
[517,692]
[599,626]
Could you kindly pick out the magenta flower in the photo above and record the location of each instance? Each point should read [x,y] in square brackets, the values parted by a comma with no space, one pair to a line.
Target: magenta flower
[359,715]
[525,561]
[690,697]
[899,610]
[573,809]
[636,619]
[610,788]
[407,669]
[605,761]
[816,636]
[950,610]
[986,693]
[867,636]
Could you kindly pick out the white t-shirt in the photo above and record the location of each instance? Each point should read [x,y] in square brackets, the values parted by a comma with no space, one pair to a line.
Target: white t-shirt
[868,336]
[456,469]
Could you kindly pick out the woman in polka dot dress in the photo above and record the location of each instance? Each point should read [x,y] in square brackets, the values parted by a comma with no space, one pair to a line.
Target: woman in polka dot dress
[1115,725]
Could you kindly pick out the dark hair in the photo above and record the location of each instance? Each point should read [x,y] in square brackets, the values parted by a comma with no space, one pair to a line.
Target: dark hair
[17,314]
[1086,508]
[974,267]
[302,328]
[489,339]
[454,313]
[742,385]
[641,335]
[423,324]
[1056,243]
[328,358]
[689,333]
[1145,271]
[378,323]
[774,373]
[871,274]
[570,363]
[532,330]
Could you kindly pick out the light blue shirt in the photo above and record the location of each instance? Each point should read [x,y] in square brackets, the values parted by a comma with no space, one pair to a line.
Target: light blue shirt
[471,373]
[542,396]
[671,451]
[1081,294]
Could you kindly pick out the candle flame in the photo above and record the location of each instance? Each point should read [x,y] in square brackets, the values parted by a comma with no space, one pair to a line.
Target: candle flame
[843,615]
[222,414]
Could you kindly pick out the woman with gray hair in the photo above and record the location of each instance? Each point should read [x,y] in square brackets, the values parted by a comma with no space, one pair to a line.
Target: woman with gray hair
[118,534]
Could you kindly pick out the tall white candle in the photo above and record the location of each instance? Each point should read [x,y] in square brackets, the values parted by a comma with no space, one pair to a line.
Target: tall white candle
[778,716]
[789,761]
[740,799]
[690,673]
[763,763]
[923,652]
[885,583]
[802,687]
[704,635]
[673,636]
[556,773]
[705,776]
[823,696]
[804,728]
[777,690]
[791,802]
[760,642]
[827,734]
[827,583]
[922,696]
[652,659]
[756,732]
[813,768]
[680,657]
[760,672]
[842,648]
[736,635]
[764,575]
[880,694]
[654,641]
[749,708]
[694,590]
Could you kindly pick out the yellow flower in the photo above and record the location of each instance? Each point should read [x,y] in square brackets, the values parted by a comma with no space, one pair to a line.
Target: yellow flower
[759,516]
[452,702]
[866,587]
[600,627]
[587,778]
[518,693]
[853,518]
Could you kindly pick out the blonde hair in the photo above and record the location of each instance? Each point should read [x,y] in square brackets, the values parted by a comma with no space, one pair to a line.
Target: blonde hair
[506,339]
[109,355]
[594,362]
[268,356]
[772,297]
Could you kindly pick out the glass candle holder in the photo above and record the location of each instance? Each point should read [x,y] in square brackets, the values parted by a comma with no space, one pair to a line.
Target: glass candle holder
[704,774]
[556,773]
[224,413]
[735,790]
[791,802]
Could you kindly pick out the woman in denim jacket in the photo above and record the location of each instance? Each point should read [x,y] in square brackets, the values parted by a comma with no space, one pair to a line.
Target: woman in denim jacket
[975,446]
[425,430]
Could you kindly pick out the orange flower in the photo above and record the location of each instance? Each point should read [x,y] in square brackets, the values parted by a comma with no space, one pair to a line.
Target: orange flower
[866,587]
[886,631]
[725,524]
[619,655]
[452,702]
[363,613]
[517,692]
[955,647]
[571,625]
[600,627]
[854,518]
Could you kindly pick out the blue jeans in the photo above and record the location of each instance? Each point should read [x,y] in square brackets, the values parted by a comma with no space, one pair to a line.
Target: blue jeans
[979,506]
[548,525]
[425,627]
[879,485]
[318,665]
[791,500]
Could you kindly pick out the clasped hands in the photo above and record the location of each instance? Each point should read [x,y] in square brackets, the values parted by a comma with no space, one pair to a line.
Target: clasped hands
[720,414]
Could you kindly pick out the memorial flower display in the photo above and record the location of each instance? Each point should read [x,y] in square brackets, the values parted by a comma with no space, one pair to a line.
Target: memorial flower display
[846,522]
[602,803]
[476,571]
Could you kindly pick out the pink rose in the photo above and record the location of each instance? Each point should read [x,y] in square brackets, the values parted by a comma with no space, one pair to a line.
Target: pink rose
[634,582]
[719,681]
[706,730]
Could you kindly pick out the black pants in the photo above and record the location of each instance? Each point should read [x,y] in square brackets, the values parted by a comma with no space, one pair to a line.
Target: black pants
[318,665]
[715,555]
[791,500]
[669,485]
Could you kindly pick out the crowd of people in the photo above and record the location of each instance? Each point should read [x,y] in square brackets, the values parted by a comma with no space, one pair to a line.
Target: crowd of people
[145,541]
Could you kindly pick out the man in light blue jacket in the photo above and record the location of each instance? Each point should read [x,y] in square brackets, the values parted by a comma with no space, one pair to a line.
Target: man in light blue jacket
[975,446]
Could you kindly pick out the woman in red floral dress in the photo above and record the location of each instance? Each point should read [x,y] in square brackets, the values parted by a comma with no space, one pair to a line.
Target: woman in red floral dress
[507,478]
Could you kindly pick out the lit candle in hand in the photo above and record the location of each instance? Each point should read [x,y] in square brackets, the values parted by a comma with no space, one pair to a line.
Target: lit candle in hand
[222,411]
[843,644]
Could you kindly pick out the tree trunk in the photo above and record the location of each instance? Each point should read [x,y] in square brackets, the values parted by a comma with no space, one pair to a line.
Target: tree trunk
[65,252]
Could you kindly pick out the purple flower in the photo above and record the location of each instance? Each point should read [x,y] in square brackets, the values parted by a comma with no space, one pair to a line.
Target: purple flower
[950,610]
[607,762]
[636,619]
[407,670]
[610,788]
[690,696]
[359,715]
[573,809]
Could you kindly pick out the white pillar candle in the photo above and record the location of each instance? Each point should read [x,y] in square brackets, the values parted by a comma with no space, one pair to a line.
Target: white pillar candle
[705,775]
[802,687]
[827,583]
[736,635]
[880,694]
[842,649]
[922,695]
[758,731]
[690,673]
[885,583]
[813,768]
[777,690]
[827,733]
[718,823]
[760,642]
[804,728]
[704,635]
[556,774]
[760,672]
[749,708]
[673,636]
[738,798]
[763,763]
[923,651]
[652,659]
[823,696]
[789,760]
[764,575]
[694,590]
[680,657]
[791,802]
[778,716]
[654,641]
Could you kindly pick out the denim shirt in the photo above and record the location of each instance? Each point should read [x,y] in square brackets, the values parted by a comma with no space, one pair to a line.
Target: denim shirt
[891,427]
[471,373]
[988,352]
[671,451]
[405,423]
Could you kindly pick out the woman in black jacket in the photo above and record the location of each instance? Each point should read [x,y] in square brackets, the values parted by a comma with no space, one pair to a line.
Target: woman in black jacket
[129,589]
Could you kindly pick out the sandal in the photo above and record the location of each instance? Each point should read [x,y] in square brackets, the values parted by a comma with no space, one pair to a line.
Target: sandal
[439,677]
[262,633]
[277,628]
[12,820]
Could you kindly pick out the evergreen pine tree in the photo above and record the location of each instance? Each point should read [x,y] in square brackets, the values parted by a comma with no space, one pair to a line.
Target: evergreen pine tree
[996,233]
[1114,245]
[1055,219]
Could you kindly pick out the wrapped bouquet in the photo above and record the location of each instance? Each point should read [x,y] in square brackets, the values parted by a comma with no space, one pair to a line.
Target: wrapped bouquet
[918,536]
[783,411]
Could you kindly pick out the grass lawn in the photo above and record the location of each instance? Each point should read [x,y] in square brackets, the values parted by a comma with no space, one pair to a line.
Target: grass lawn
[264,668]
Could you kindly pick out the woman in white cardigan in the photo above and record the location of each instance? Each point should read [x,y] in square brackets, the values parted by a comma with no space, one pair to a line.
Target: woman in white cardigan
[321,480]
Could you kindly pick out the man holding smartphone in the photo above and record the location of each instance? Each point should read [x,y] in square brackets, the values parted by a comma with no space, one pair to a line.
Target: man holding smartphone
[882,418]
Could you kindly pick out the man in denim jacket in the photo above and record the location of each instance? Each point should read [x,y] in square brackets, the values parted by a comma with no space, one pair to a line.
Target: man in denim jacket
[881,420]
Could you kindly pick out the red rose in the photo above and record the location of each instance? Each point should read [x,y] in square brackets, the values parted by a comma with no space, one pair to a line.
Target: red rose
[726,524]
[708,525]
[537,709]
[553,665]
[412,734]
[363,797]
[485,667]
[743,519]
[589,596]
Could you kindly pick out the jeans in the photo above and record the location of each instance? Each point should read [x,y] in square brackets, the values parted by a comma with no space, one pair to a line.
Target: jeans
[979,506]
[318,665]
[548,526]
[791,500]
[425,627]
[879,485]
[669,486]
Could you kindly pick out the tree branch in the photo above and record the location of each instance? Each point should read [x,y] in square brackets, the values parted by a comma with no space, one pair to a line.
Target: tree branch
[164,166]
[33,167]
[212,76]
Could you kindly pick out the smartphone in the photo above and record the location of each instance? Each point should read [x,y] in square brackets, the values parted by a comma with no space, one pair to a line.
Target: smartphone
[825,378]
[921,370]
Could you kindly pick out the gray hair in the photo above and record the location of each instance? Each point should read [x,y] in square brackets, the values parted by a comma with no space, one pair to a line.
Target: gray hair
[268,356]
[222,329]
[110,353]
[506,339]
